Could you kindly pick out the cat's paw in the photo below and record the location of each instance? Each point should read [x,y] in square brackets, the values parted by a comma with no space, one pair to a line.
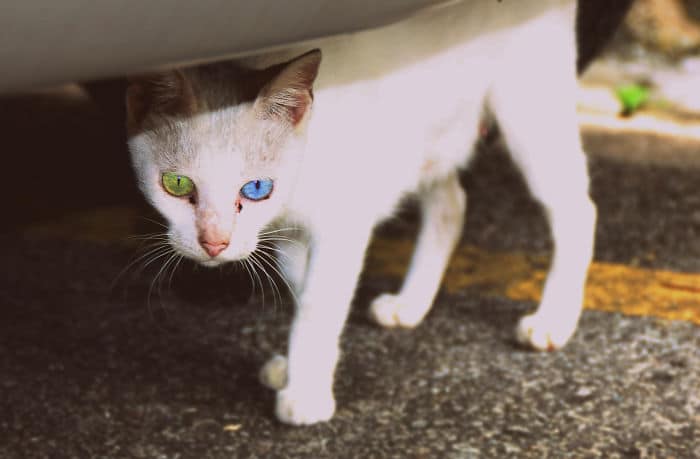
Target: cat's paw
[303,407]
[274,373]
[544,332]
[390,310]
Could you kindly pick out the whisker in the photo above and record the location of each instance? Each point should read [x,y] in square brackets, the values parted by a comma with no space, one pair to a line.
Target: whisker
[270,280]
[278,230]
[282,239]
[276,237]
[167,250]
[275,249]
[148,236]
[261,267]
[161,224]
[172,273]
[269,261]
[153,282]
[151,251]
[244,262]
[164,269]
[143,240]
[255,273]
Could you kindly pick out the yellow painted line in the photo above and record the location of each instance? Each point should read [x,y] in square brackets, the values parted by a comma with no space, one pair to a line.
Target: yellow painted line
[107,225]
[520,276]
[515,275]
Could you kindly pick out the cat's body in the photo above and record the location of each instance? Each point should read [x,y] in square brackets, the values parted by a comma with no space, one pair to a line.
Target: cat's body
[395,111]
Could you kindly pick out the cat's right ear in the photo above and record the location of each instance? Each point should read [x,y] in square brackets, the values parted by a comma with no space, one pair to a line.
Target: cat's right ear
[167,93]
[289,94]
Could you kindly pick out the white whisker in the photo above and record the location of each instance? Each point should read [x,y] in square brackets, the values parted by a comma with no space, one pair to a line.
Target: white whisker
[160,246]
[278,230]
[162,269]
[244,262]
[155,222]
[276,250]
[269,261]
[257,276]
[282,239]
[172,273]
[275,291]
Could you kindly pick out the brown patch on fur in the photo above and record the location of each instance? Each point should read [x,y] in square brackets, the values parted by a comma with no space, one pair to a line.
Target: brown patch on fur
[168,94]
[283,91]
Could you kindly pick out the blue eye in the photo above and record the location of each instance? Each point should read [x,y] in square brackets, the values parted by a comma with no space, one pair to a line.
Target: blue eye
[256,190]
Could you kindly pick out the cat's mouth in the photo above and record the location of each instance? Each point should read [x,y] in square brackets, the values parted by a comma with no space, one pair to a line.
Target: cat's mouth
[212,262]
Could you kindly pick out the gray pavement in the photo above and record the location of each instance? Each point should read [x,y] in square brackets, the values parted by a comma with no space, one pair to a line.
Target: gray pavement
[92,370]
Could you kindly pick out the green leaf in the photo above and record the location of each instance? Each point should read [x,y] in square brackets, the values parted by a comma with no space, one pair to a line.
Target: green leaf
[632,97]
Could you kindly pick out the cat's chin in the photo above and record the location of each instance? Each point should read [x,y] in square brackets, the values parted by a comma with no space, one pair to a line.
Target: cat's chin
[212,263]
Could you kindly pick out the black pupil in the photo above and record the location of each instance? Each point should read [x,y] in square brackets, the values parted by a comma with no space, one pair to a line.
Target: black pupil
[178,181]
[257,184]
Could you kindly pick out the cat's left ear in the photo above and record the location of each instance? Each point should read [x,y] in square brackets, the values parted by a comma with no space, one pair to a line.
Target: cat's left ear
[169,93]
[290,93]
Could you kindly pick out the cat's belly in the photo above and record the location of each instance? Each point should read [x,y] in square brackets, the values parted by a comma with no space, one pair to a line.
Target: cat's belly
[367,172]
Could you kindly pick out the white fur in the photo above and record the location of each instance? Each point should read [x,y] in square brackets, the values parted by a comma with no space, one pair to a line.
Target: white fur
[396,111]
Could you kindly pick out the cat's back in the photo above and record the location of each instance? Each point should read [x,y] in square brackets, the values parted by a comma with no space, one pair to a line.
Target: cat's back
[429,33]
[397,105]
[478,27]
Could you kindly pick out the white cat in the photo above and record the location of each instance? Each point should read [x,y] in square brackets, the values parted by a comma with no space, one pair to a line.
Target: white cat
[227,153]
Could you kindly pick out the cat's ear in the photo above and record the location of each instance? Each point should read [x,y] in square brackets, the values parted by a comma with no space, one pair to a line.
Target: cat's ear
[167,93]
[289,94]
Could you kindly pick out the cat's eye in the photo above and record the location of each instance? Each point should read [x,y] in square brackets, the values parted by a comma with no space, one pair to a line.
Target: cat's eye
[257,190]
[177,185]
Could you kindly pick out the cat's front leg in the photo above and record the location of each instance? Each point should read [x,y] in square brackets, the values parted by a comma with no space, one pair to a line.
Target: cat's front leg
[335,264]
[442,207]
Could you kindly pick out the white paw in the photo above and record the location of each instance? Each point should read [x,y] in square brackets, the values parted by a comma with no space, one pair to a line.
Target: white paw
[274,373]
[303,407]
[391,311]
[545,333]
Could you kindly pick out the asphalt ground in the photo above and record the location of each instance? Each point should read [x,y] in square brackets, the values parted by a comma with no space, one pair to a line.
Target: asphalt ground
[98,362]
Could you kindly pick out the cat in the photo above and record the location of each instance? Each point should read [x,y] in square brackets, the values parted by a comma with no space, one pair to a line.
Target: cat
[330,140]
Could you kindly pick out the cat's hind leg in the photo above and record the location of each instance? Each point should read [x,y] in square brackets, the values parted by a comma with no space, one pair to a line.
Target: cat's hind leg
[536,112]
[443,206]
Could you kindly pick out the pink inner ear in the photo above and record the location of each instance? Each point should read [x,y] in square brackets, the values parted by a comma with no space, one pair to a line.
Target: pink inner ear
[298,110]
[290,93]
[290,105]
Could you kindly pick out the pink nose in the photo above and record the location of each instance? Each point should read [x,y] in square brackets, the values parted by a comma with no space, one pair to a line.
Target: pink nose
[213,248]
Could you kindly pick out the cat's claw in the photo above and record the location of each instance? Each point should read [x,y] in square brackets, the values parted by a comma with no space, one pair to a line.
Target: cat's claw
[274,373]
[390,310]
[303,407]
[544,333]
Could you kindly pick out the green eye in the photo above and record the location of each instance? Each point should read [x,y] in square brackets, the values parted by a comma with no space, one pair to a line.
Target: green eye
[177,185]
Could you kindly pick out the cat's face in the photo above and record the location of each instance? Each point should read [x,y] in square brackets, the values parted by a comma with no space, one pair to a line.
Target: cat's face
[217,151]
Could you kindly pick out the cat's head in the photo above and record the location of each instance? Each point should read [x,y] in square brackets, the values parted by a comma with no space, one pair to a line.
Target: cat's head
[216,150]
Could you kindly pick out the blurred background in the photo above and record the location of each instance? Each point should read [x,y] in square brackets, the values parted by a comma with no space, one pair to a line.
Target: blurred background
[648,74]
